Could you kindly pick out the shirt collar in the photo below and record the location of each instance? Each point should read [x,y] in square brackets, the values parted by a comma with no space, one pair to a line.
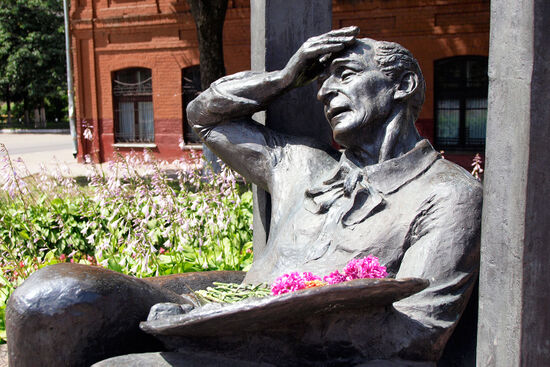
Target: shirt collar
[388,176]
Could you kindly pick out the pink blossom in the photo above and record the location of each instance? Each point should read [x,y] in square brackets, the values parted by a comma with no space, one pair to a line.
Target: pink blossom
[335,277]
[308,276]
[477,169]
[367,267]
[88,134]
[287,283]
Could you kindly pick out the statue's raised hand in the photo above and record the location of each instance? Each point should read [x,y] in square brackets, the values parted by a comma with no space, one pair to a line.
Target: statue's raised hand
[311,58]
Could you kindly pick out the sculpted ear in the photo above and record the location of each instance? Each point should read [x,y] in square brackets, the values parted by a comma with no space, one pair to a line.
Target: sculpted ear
[407,85]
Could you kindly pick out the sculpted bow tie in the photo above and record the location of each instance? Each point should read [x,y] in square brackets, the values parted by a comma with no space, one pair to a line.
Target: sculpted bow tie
[350,189]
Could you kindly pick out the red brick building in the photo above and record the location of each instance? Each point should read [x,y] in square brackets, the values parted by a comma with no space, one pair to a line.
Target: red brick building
[135,67]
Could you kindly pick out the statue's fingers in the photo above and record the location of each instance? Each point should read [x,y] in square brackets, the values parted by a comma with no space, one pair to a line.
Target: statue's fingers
[346,31]
[347,39]
[325,58]
[326,49]
[352,31]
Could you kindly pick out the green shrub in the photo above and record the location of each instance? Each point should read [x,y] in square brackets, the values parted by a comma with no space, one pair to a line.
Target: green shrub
[132,217]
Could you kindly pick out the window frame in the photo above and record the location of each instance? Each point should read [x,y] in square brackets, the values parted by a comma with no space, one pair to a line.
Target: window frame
[461,93]
[141,96]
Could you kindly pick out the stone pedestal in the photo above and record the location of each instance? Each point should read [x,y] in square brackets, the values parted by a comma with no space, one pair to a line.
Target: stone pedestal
[515,254]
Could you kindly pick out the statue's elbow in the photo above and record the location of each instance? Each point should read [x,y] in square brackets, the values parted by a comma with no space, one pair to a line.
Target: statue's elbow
[198,117]
[193,112]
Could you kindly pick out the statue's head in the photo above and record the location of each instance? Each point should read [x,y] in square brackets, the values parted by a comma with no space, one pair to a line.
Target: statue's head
[366,84]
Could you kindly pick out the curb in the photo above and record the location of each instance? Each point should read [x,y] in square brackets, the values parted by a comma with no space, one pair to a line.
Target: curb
[34,131]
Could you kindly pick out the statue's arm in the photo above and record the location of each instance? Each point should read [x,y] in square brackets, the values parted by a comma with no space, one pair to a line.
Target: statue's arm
[444,248]
[221,115]
[242,94]
[234,98]
[244,145]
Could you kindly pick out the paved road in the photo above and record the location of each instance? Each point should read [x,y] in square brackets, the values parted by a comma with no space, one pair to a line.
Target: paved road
[50,149]
[19,144]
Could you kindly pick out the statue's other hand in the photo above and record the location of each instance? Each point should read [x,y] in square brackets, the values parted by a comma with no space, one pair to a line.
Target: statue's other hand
[312,57]
[166,309]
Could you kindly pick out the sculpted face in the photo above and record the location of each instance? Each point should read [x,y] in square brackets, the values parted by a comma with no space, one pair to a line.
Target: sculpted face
[357,96]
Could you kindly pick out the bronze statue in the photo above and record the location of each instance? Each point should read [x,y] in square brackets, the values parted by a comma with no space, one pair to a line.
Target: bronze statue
[387,193]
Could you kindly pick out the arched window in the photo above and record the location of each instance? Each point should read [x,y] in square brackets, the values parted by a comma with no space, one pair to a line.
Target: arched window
[133,106]
[460,103]
[191,87]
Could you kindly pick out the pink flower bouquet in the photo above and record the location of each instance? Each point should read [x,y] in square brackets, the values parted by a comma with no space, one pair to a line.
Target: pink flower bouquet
[368,267]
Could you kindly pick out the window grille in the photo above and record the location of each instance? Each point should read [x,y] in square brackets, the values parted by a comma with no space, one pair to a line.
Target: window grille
[133,106]
[460,103]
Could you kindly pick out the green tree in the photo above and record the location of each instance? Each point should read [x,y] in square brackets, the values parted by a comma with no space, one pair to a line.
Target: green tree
[32,64]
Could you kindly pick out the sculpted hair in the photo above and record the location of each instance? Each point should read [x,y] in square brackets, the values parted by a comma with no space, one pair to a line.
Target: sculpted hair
[393,60]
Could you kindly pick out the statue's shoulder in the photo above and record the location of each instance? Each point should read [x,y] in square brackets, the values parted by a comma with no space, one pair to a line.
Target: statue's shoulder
[450,179]
[450,171]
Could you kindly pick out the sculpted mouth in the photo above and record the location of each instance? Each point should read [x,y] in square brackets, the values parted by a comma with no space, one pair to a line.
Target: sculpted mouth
[334,111]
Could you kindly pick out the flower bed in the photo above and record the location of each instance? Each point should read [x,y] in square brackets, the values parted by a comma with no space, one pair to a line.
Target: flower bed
[131,217]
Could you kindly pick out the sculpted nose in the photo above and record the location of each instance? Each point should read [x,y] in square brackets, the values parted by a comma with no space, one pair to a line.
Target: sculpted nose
[325,91]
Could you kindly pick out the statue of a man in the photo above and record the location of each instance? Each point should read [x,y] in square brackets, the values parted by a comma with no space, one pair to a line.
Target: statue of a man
[388,193]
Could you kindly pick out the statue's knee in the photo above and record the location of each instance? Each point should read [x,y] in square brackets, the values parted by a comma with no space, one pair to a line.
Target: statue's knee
[70,312]
[51,291]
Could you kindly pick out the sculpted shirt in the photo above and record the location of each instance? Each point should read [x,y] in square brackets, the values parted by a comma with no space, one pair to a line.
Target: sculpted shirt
[418,213]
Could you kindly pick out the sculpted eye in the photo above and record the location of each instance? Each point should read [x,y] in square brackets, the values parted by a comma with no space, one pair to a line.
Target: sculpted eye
[346,75]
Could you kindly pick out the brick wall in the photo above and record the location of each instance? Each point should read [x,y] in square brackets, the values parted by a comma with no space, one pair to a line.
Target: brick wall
[109,35]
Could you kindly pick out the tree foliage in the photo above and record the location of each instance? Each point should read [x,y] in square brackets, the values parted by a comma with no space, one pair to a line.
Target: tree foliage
[32,62]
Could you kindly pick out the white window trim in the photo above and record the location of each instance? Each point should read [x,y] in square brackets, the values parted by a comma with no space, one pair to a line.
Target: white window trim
[191,147]
[134,145]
